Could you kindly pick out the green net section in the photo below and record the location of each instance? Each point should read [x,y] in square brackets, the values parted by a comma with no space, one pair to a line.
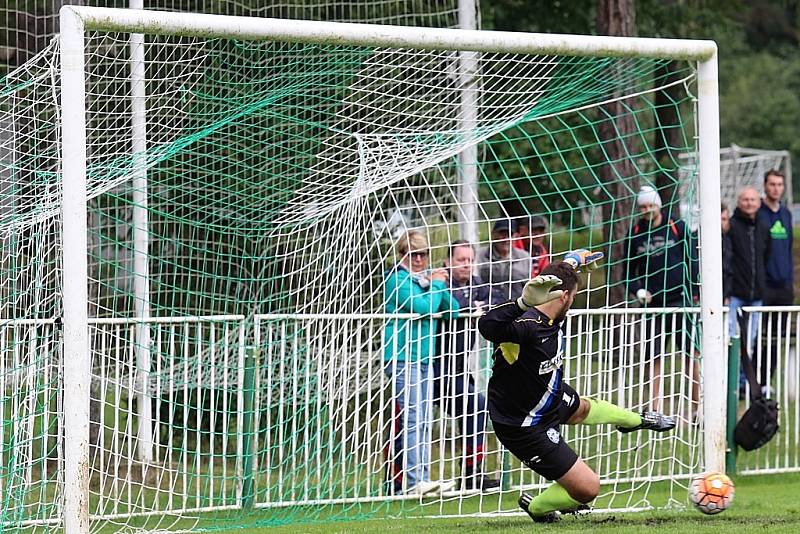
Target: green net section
[278,178]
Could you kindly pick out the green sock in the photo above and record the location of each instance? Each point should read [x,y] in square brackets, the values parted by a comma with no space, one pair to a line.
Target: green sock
[602,412]
[553,498]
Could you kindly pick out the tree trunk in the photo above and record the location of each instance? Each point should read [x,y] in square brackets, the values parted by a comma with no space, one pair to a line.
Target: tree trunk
[668,136]
[616,17]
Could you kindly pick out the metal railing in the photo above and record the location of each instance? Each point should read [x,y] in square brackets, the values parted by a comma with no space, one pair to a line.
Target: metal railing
[774,352]
[284,410]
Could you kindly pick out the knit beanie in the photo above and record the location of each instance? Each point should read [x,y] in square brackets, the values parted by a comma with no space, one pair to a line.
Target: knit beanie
[648,195]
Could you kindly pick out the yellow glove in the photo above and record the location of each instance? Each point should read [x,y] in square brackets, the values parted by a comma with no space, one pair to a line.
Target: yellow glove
[539,290]
[582,258]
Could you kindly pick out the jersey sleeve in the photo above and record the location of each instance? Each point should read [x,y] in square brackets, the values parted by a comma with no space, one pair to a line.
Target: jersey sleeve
[504,324]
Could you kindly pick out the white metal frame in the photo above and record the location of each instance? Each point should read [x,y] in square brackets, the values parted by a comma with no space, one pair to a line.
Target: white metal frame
[76,20]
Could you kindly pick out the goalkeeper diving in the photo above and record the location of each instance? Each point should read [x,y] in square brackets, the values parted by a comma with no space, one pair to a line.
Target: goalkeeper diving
[528,400]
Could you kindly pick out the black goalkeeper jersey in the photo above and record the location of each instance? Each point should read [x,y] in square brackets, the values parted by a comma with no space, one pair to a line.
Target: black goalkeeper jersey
[526,375]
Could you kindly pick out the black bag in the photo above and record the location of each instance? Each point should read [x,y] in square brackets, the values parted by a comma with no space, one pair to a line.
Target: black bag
[760,422]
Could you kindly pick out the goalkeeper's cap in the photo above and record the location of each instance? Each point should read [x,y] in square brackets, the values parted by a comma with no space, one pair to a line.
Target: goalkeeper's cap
[648,195]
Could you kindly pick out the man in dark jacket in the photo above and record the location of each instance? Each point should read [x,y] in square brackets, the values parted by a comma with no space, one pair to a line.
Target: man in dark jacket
[779,280]
[660,252]
[662,273]
[500,264]
[727,259]
[750,248]
[453,385]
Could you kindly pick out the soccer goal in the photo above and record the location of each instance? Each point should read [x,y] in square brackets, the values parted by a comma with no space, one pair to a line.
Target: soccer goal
[207,206]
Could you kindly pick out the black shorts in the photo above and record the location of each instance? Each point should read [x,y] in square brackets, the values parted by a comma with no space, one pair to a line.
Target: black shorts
[541,447]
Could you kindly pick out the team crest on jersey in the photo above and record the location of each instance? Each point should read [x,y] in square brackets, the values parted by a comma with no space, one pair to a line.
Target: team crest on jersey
[552,433]
[548,366]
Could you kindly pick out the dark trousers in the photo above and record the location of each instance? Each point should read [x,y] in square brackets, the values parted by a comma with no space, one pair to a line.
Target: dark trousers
[454,391]
[774,331]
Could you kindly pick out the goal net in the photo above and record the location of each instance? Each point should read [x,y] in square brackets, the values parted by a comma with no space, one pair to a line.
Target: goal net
[742,167]
[244,201]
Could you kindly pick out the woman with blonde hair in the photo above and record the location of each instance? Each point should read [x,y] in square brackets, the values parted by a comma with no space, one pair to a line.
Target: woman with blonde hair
[409,345]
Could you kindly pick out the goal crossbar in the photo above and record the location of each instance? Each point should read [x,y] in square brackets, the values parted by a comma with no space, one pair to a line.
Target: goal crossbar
[75,21]
[337,33]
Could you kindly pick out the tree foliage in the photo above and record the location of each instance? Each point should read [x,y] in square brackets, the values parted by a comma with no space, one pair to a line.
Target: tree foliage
[759,54]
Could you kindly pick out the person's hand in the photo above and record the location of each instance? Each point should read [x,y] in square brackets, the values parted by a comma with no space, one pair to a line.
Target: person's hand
[539,290]
[583,259]
[439,274]
[644,296]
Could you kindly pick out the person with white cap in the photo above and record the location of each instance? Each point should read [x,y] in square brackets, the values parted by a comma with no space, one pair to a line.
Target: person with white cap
[661,273]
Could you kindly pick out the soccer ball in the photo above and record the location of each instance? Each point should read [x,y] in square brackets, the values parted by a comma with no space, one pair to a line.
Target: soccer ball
[711,492]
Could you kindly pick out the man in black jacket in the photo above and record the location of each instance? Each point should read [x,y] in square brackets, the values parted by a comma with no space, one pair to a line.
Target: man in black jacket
[453,385]
[662,273]
[750,246]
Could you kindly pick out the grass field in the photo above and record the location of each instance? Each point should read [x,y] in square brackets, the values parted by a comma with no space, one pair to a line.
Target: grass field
[767,503]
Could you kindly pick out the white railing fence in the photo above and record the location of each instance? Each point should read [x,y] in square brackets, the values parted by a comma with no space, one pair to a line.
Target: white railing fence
[775,351]
[281,410]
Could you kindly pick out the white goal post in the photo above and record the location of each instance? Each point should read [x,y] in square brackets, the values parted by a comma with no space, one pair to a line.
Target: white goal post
[75,21]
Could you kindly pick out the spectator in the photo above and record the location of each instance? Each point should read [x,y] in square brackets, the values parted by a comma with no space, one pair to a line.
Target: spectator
[727,259]
[409,345]
[749,240]
[531,235]
[502,266]
[453,385]
[659,249]
[779,279]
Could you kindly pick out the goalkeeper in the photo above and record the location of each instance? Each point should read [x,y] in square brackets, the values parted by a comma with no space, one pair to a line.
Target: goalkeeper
[528,400]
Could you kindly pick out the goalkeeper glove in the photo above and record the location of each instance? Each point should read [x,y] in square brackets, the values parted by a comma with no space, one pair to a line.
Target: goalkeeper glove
[539,290]
[582,258]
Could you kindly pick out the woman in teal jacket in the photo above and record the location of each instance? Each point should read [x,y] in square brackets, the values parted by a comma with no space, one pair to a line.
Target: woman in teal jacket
[409,345]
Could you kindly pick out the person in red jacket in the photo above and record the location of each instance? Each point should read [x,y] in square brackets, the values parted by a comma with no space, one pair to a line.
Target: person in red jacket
[531,233]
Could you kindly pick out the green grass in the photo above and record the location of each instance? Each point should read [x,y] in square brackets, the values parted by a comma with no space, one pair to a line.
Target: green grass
[766,503]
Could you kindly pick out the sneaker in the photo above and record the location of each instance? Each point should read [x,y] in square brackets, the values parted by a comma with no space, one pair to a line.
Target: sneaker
[423,487]
[652,421]
[446,485]
[481,482]
[549,517]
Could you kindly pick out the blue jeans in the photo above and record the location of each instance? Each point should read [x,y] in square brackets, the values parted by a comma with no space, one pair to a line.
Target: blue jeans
[411,447]
[753,321]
